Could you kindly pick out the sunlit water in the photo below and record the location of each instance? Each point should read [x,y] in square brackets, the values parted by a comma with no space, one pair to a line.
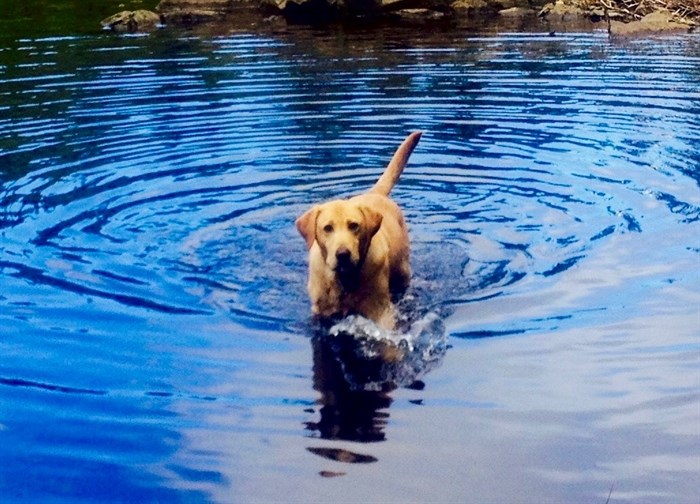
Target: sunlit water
[156,339]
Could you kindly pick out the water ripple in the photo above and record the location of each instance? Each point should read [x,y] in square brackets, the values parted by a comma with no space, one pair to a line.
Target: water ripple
[148,192]
[169,147]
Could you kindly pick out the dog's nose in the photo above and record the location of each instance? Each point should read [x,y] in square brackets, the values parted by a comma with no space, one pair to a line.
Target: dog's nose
[343,255]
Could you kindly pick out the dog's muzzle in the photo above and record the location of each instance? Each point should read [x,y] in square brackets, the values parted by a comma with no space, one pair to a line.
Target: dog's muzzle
[347,272]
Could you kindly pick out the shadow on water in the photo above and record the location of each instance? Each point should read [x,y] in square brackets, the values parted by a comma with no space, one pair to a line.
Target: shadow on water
[346,412]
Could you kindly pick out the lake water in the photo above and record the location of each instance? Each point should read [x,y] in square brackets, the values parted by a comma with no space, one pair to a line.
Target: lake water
[156,341]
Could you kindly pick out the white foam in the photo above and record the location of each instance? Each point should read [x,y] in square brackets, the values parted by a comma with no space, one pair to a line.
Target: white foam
[400,357]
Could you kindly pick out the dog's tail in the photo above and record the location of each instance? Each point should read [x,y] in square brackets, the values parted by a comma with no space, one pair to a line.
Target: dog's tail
[393,170]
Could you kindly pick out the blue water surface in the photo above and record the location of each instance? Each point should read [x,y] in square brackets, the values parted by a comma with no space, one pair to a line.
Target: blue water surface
[156,339]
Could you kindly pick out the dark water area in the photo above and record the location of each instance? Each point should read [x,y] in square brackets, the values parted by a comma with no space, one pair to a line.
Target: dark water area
[52,18]
[155,333]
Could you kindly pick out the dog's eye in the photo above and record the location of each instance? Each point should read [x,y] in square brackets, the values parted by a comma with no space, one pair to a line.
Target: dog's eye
[353,226]
[328,228]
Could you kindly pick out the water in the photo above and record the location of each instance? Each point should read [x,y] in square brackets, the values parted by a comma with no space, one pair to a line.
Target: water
[156,339]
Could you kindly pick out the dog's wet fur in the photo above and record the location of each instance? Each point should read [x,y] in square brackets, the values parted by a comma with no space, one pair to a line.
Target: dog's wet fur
[359,249]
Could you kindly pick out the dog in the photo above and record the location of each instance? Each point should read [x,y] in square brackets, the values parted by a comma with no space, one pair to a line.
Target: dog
[359,249]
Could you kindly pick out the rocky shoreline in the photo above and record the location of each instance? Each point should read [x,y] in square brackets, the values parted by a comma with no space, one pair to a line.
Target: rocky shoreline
[619,17]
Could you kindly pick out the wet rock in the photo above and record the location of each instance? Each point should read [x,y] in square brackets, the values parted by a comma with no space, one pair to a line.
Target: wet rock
[419,15]
[515,12]
[568,16]
[132,21]
[190,12]
[513,4]
[656,22]
[492,7]
[471,6]
[563,10]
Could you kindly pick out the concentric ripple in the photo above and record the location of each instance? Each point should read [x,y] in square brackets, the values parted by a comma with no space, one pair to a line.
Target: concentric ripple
[151,184]
[143,173]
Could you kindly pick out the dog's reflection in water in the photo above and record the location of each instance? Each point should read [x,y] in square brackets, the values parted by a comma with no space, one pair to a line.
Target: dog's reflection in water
[348,411]
[356,367]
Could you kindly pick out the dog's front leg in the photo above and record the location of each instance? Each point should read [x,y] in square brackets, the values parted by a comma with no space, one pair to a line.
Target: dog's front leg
[376,302]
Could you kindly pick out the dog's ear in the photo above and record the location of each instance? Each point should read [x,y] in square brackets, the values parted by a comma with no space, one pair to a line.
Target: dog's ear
[373,220]
[306,224]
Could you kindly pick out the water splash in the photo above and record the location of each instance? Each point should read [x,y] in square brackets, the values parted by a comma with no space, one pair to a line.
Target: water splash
[375,359]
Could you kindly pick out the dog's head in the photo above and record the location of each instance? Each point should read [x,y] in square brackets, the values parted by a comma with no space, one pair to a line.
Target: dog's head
[343,231]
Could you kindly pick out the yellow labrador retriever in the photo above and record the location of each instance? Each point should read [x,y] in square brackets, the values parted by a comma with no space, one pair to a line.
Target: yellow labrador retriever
[359,249]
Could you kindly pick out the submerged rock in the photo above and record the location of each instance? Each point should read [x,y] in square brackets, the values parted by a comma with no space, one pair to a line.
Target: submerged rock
[132,21]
